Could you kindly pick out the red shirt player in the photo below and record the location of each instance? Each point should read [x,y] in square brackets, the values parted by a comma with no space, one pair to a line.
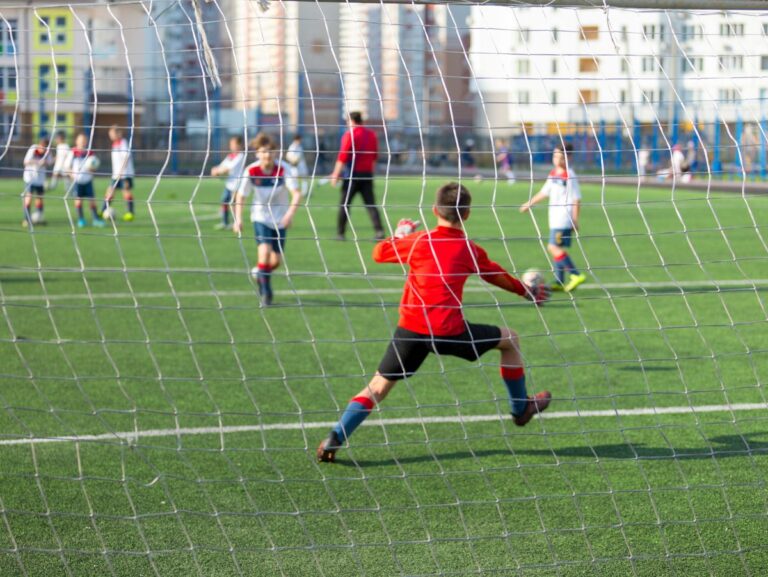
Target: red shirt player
[431,318]
[357,161]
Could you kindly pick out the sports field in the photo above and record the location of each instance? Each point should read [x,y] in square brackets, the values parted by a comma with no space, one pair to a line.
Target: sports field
[191,416]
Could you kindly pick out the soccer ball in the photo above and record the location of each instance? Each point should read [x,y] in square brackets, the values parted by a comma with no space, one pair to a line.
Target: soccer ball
[92,163]
[478,178]
[533,278]
[108,214]
[36,217]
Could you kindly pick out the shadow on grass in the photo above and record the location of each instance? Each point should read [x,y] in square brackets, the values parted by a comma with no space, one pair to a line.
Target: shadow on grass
[723,446]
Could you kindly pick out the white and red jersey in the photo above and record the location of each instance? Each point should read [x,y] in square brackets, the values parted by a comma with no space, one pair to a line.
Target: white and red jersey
[62,154]
[270,191]
[122,160]
[76,164]
[35,162]
[563,191]
[233,165]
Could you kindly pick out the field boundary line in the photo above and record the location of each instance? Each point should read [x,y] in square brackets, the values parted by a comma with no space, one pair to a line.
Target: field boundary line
[133,436]
[713,284]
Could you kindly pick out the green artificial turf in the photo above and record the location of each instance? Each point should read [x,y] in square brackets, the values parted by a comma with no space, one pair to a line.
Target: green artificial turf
[155,325]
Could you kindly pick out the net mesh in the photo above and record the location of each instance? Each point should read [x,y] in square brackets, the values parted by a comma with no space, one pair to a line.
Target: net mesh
[156,418]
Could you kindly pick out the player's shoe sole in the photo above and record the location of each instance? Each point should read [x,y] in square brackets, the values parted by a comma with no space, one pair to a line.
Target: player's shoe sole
[536,404]
[326,450]
[574,281]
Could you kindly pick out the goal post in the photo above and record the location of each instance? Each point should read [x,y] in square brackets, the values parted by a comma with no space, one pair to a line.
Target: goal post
[166,377]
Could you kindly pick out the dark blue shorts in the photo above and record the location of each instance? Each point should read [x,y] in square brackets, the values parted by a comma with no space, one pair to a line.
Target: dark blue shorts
[560,236]
[84,190]
[124,183]
[34,189]
[267,234]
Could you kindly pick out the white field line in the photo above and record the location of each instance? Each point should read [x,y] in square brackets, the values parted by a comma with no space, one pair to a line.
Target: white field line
[710,284]
[133,436]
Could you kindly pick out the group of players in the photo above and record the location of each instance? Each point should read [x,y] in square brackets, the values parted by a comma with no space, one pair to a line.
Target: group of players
[439,260]
[76,166]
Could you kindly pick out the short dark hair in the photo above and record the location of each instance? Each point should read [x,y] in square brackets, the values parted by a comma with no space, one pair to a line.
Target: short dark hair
[564,147]
[356,117]
[452,202]
[262,141]
[237,139]
[297,137]
[61,134]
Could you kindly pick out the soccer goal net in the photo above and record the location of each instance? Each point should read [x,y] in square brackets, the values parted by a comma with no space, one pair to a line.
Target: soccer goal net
[189,205]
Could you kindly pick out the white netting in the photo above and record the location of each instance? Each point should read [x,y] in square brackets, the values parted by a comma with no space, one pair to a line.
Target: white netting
[156,417]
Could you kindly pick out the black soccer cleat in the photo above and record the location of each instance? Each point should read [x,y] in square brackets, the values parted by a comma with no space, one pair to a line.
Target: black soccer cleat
[326,451]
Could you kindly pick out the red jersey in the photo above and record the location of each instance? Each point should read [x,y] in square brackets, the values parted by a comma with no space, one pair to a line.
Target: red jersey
[366,150]
[440,262]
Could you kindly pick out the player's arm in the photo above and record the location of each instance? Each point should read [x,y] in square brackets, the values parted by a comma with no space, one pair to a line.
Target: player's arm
[220,169]
[537,198]
[29,158]
[575,211]
[240,196]
[493,273]
[345,154]
[399,246]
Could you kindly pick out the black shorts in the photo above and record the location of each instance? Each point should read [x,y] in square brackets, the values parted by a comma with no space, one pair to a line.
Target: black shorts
[84,190]
[408,349]
[126,183]
[37,189]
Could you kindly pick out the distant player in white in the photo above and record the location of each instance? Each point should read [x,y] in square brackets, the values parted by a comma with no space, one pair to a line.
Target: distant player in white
[562,189]
[80,169]
[36,161]
[122,172]
[270,187]
[60,164]
[231,167]
[295,157]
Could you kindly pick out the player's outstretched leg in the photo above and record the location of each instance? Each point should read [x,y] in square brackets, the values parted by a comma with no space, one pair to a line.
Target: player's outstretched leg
[575,278]
[357,411]
[522,406]
[128,198]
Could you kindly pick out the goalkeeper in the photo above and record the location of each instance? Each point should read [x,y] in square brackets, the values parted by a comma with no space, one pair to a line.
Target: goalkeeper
[431,318]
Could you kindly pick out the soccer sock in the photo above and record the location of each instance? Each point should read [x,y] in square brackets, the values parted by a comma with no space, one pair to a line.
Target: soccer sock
[560,268]
[129,200]
[93,210]
[225,214]
[79,207]
[568,264]
[356,412]
[39,205]
[514,378]
[265,278]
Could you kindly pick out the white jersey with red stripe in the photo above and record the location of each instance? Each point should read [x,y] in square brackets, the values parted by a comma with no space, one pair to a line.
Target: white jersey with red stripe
[77,164]
[62,154]
[122,160]
[269,191]
[233,164]
[35,162]
[563,191]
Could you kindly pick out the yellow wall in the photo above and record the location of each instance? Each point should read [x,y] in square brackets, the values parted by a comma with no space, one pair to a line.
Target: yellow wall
[66,123]
[68,77]
[40,38]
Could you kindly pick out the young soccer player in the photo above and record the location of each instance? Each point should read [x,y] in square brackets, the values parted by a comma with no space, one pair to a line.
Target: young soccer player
[295,157]
[122,172]
[431,318]
[60,164]
[232,168]
[274,198]
[36,161]
[505,160]
[80,170]
[562,189]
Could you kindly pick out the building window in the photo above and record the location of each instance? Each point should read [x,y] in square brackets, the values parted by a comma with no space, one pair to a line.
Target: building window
[623,96]
[554,67]
[54,30]
[523,67]
[731,29]
[765,29]
[553,98]
[523,97]
[731,62]
[589,32]
[9,35]
[588,96]
[555,34]
[648,64]
[764,63]
[624,65]
[692,64]
[588,65]
[624,34]
[692,32]
[728,96]
[7,79]
[525,35]
[652,32]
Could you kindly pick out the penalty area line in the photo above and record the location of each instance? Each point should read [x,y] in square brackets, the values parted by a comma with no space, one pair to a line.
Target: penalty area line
[133,436]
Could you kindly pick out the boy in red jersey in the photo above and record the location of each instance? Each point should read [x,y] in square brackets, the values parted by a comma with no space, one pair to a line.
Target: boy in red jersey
[431,318]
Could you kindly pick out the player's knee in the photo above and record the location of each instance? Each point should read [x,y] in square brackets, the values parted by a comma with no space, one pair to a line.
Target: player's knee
[509,339]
